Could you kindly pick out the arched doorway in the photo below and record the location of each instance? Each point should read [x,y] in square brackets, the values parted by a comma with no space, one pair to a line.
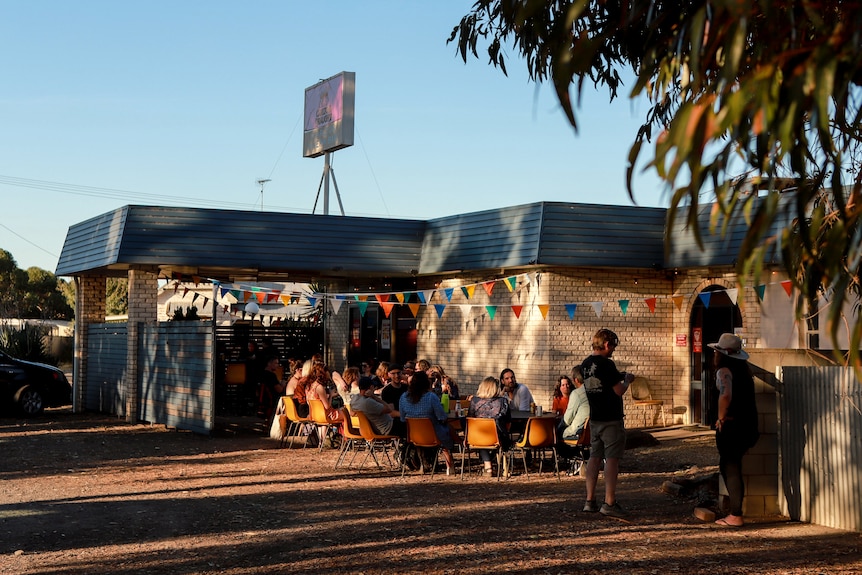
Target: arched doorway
[712,314]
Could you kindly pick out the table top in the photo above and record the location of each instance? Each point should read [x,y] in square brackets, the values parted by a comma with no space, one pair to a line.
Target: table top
[527,415]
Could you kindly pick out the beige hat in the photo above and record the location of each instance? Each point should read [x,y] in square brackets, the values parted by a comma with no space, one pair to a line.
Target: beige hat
[730,345]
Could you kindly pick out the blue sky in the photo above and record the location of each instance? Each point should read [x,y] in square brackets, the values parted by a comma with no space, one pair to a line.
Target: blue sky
[189,103]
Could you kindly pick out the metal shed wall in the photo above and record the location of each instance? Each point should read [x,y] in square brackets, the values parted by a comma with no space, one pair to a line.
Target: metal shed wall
[106,367]
[820,446]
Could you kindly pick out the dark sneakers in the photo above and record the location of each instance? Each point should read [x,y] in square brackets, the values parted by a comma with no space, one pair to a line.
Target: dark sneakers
[591,506]
[612,510]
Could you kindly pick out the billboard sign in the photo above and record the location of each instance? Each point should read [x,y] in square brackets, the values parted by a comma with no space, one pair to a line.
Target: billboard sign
[329,115]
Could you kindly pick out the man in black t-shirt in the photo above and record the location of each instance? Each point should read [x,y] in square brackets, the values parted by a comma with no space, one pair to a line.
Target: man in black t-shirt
[605,387]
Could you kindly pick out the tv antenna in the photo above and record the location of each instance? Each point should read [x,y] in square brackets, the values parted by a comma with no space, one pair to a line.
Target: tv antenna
[262,183]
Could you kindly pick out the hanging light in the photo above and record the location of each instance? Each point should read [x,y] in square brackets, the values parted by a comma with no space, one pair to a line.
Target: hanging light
[252,308]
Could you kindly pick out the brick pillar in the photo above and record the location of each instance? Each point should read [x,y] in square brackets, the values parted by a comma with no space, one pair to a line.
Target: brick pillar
[89,308]
[143,309]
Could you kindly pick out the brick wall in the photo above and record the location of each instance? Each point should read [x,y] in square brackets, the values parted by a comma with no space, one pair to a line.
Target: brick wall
[143,309]
[89,308]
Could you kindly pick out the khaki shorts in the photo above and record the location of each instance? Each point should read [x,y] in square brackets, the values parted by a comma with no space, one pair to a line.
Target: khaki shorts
[607,439]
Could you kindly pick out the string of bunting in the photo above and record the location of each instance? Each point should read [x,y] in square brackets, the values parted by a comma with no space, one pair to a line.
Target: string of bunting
[414,300]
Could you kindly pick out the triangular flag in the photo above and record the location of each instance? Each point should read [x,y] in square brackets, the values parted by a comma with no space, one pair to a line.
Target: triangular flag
[363,305]
[414,308]
[176,287]
[489,287]
[788,286]
[705,297]
[362,298]
[517,309]
[206,301]
[245,296]
[439,307]
[492,311]
[650,302]
[733,294]
[400,297]
[425,295]
[624,305]
[312,301]
[677,299]
[285,299]
[224,291]
[382,297]
[260,296]
[468,290]
[448,292]
[543,309]
[597,307]
[571,308]
[271,297]
[197,280]
[387,307]
[237,294]
[336,305]
[511,282]
[185,291]
[195,297]
[760,291]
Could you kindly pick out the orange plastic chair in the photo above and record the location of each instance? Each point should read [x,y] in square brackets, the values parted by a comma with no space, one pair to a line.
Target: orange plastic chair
[420,433]
[482,434]
[318,416]
[296,421]
[351,439]
[374,441]
[539,435]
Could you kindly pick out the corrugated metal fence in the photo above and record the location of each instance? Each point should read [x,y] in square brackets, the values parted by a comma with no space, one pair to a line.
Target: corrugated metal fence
[819,429]
[175,367]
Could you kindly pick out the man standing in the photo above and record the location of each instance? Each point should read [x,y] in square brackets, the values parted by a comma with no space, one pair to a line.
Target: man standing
[519,394]
[605,387]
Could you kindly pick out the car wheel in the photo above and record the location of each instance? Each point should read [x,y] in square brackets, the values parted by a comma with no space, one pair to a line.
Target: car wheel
[29,400]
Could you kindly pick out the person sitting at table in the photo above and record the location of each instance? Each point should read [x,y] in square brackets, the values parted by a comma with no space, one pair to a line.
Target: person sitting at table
[578,411]
[491,402]
[344,383]
[442,383]
[420,401]
[380,414]
[381,376]
[316,387]
[562,389]
[519,394]
[395,386]
[296,388]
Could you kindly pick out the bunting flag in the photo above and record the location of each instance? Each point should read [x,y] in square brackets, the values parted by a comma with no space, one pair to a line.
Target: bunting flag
[245,296]
[597,307]
[517,309]
[705,297]
[760,291]
[224,291]
[362,298]
[492,311]
[285,299]
[511,282]
[260,297]
[571,308]
[788,286]
[176,287]
[733,294]
[271,297]
[448,292]
[677,299]
[489,287]
[414,308]
[439,307]
[195,297]
[224,309]
[237,294]
[312,301]
[206,301]
[624,305]
[185,291]
[425,295]
[363,305]
[543,309]
[468,291]
[650,302]
[336,305]
[387,307]
[400,297]
[382,298]
[196,280]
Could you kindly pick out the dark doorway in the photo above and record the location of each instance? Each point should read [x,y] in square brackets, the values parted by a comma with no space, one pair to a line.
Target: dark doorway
[707,323]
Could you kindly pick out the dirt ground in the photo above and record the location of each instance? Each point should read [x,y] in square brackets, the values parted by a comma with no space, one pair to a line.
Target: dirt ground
[84,493]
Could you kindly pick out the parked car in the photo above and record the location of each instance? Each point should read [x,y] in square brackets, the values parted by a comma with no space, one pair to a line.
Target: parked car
[30,387]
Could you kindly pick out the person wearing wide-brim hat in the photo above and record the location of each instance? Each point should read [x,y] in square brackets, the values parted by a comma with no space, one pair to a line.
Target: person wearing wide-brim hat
[736,428]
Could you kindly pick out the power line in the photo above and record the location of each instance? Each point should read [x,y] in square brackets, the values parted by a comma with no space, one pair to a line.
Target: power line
[13,232]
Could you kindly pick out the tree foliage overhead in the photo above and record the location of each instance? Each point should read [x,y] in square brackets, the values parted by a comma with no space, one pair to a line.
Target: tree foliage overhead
[761,95]
[31,294]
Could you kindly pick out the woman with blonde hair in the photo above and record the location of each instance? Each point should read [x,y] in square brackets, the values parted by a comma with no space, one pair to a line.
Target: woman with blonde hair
[489,402]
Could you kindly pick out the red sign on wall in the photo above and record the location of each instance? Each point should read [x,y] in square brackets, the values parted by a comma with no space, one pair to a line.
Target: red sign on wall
[681,340]
[697,340]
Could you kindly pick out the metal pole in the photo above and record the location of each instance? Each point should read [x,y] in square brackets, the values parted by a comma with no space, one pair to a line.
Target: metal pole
[326,184]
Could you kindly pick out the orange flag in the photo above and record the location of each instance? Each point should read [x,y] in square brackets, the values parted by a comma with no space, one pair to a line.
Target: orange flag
[788,286]
[517,309]
[489,286]
[382,298]
[544,310]
[387,308]
[414,308]
[677,299]
[650,302]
